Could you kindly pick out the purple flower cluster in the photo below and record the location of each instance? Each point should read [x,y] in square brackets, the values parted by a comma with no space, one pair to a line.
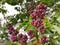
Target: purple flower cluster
[37,20]
[41,6]
[30,33]
[30,8]
[38,16]
[23,38]
[43,39]
[14,37]
[40,11]
[13,32]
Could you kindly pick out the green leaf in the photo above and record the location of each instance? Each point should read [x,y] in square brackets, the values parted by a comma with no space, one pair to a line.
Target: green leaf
[58,19]
[11,2]
[57,28]
[0,27]
[2,2]
[49,2]
[3,10]
[29,26]
[23,16]
[22,24]
[58,38]
[14,21]
[47,23]
[15,2]
[21,1]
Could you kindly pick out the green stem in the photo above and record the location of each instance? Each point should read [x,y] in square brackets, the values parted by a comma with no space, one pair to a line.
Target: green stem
[37,37]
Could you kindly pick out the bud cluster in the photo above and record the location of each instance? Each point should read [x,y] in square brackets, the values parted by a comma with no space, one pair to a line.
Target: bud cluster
[38,16]
[37,23]
[13,32]
[39,12]
[30,34]
[23,38]
[37,20]
[43,40]
[30,7]
[15,36]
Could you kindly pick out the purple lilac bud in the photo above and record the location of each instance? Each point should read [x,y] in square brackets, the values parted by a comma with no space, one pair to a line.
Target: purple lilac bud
[24,38]
[43,39]
[14,38]
[34,14]
[20,36]
[30,33]
[15,32]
